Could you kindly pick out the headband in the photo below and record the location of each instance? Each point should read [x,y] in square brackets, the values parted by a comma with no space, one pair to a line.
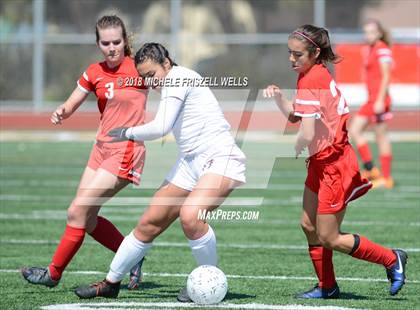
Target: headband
[306,37]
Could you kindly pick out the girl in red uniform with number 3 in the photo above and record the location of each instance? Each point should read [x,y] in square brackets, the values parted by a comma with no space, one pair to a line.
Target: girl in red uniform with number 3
[111,166]
[333,175]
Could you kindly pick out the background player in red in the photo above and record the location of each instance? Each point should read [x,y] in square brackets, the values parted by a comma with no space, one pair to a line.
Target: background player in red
[378,63]
[333,175]
[111,166]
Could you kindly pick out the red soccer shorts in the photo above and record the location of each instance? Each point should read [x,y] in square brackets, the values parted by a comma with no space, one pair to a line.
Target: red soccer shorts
[337,182]
[367,110]
[123,159]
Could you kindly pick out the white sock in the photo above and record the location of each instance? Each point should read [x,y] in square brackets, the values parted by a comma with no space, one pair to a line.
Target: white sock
[130,252]
[204,249]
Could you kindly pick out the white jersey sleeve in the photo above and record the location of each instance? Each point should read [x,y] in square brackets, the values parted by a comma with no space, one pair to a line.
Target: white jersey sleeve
[161,125]
[200,119]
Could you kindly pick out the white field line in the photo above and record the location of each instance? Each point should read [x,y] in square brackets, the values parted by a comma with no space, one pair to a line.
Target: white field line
[36,136]
[230,201]
[61,216]
[275,278]
[154,184]
[185,244]
[177,305]
[384,201]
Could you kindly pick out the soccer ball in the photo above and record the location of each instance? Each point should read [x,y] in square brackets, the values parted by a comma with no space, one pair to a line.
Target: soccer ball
[207,285]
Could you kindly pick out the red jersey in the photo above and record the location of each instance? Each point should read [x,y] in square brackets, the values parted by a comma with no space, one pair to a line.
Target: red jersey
[121,96]
[318,96]
[374,56]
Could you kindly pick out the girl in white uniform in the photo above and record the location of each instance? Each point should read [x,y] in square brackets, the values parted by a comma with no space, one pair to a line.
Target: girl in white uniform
[209,167]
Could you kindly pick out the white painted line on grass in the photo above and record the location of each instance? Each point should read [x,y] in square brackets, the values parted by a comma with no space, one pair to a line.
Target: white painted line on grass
[185,244]
[230,201]
[277,278]
[174,305]
[50,214]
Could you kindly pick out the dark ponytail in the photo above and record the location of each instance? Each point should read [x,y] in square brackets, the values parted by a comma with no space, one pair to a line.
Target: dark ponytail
[155,52]
[316,37]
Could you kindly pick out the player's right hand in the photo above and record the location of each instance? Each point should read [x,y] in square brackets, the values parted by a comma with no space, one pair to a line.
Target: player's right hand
[58,115]
[272,91]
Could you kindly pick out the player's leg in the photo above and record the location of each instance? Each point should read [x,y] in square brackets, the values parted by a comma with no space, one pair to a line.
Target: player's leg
[385,156]
[208,194]
[328,229]
[357,129]
[321,257]
[95,188]
[163,210]
[82,214]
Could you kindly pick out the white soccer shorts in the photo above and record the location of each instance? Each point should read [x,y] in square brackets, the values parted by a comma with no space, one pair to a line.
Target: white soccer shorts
[227,160]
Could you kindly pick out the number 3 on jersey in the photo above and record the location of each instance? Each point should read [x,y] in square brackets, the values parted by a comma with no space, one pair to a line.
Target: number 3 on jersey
[109,94]
[342,107]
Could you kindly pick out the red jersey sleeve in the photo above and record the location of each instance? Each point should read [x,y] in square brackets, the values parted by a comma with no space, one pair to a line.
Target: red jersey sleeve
[307,101]
[383,53]
[85,81]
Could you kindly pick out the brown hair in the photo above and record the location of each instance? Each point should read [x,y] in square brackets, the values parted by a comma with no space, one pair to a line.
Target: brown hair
[316,37]
[113,21]
[385,36]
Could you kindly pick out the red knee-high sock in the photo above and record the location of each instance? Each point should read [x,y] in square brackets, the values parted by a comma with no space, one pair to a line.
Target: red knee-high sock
[107,234]
[365,153]
[372,252]
[323,264]
[386,165]
[69,244]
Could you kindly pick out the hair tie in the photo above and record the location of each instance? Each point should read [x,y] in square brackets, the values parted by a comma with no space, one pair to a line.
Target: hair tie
[307,38]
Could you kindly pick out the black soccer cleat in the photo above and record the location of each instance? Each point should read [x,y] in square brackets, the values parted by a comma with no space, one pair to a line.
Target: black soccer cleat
[183,295]
[98,289]
[321,293]
[38,275]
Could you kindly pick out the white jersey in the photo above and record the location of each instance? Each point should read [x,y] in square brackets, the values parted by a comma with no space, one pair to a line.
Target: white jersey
[201,118]
[192,113]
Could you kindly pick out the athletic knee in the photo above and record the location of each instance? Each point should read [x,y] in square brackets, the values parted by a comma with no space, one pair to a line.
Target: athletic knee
[307,226]
[76,214]
[189,221]
[328,241]
[146,230]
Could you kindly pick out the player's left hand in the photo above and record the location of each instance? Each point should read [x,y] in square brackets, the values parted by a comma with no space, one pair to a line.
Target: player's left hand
[118,134]
[378,107]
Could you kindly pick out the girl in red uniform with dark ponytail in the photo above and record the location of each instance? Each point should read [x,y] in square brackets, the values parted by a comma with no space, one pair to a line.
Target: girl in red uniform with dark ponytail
[111,166]
[378,63]
[333,175]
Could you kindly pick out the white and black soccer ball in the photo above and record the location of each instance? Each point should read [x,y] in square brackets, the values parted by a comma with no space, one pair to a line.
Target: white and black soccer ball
[207,285]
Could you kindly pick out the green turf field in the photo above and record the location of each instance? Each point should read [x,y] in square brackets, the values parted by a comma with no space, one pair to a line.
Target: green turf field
[266,259]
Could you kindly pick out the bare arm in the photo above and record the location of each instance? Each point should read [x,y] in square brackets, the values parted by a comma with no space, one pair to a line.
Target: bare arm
[285,105]
[383,89]
[305,135]
[65,110]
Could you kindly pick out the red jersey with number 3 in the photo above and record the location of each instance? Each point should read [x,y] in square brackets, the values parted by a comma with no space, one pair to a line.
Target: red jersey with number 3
[317,96]
[121,97]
